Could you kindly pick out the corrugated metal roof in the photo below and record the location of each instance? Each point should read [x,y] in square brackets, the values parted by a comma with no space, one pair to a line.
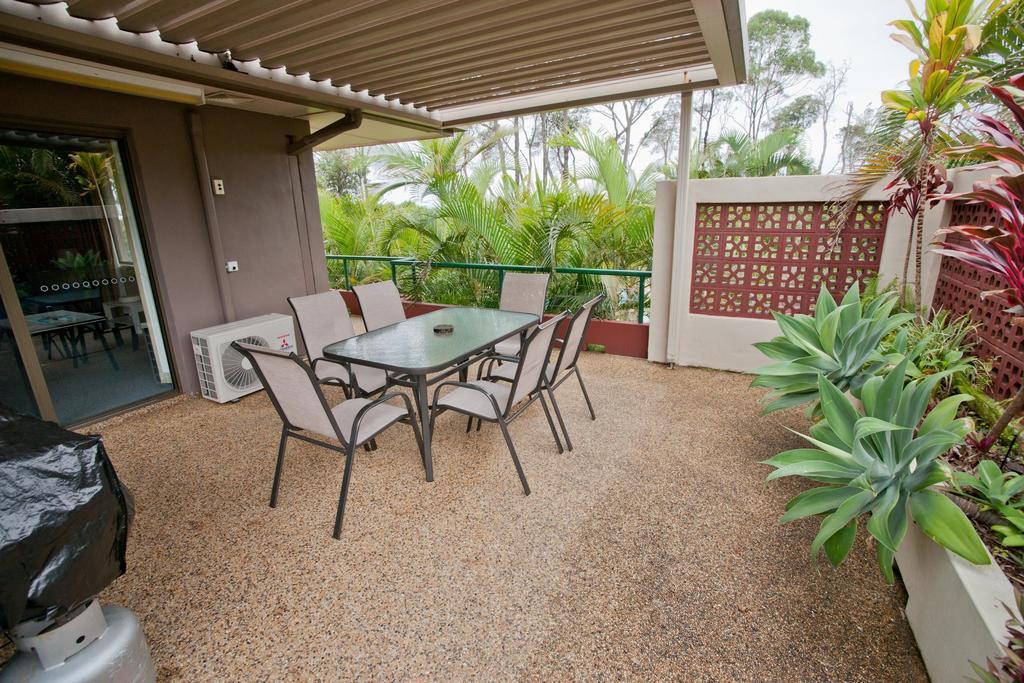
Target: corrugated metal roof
[440,61]
[430,53]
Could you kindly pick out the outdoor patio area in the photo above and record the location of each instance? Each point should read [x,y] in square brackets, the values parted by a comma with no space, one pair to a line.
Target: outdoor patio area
[650,551]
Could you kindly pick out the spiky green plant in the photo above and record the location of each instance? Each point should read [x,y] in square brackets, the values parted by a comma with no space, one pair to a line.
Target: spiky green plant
[882,464]
[1000,492]
[840,342]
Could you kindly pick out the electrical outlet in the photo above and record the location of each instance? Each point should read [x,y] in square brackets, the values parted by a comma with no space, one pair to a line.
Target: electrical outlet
[218,186]
[231,266]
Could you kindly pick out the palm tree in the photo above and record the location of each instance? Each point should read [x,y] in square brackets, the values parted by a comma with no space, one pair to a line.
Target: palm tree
[736,155]
[33,176]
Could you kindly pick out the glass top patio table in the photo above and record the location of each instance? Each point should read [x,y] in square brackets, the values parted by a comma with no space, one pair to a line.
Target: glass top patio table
[412,350]
[411,347]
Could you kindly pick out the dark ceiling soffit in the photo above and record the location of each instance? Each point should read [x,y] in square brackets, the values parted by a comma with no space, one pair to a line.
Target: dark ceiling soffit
[505,113]
[70,43]
[736,27]
[351,121]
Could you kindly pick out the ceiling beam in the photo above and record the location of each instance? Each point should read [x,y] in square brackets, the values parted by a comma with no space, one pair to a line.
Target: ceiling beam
[351,121]
[611,72]
[580,96]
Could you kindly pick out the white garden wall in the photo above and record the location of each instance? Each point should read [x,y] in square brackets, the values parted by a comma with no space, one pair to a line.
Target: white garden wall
[724,342]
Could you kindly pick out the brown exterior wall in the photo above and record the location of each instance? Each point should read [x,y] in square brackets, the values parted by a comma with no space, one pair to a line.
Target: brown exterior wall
[268,218]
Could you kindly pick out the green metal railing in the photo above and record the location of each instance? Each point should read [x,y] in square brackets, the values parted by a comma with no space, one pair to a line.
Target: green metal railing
[396,261]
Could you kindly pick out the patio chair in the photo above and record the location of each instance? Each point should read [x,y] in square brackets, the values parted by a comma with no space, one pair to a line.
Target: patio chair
[380,303]
[324,319]
[565,364]
[521,293]
[500,402]
[294,390]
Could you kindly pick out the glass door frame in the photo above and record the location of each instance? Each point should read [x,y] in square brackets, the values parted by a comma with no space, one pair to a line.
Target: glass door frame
[8,292]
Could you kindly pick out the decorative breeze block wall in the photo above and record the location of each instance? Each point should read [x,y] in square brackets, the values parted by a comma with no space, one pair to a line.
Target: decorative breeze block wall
[959,290]
[750,259]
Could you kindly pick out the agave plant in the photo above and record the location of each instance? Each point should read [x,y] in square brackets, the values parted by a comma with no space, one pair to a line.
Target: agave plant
[880,464]
[840,342]
[998,491]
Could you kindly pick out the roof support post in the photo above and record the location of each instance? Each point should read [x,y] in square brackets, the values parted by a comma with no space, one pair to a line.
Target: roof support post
[351,121]
[680,288]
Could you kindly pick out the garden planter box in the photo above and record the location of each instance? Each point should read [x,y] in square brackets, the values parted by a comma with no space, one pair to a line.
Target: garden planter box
[956,609]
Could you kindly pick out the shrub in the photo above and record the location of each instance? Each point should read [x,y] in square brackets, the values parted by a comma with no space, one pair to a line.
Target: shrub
[880,464]
[840,342]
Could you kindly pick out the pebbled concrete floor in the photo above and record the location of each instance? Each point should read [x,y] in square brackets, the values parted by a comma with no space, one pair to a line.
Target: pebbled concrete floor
[649,552]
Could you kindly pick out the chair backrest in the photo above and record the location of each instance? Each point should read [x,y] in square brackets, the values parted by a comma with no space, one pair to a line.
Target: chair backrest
[323,319]
[572,345]
[533,359]
[292,388]
[380,303]
[524,293]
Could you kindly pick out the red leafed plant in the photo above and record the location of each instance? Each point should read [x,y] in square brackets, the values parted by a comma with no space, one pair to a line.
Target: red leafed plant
[997,248]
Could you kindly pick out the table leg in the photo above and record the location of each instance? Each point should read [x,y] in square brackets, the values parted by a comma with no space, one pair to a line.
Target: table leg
[423,407]
[98,330]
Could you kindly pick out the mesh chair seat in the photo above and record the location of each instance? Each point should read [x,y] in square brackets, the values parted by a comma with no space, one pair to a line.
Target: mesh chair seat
[370,380]
[375,420]
[472,402]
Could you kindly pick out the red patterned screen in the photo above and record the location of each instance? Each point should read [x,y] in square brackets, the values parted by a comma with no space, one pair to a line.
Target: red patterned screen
[750,259]
[959,290]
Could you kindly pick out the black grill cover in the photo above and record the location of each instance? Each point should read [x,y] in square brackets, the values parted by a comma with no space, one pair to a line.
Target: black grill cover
[63,519]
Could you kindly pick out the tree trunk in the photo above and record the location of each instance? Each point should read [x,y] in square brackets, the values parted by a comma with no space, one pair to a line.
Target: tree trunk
[515,150]
[824,141]
[918,248]
[904,283]
[544,148]
[707,129]
[844,151]
[1012,410]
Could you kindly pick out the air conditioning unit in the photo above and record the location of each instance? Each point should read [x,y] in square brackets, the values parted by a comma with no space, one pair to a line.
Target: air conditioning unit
[224,374]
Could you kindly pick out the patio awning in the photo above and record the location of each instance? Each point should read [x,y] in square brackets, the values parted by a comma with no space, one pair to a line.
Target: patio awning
[431,64]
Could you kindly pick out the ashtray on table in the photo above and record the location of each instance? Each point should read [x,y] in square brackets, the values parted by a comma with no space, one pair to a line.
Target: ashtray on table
[444,329]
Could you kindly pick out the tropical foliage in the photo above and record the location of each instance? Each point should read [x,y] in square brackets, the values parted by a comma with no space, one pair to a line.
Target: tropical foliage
[953,49]
[997,248]
[880,464]
[467,211]
[839,342]
[735,155]
[1001,493]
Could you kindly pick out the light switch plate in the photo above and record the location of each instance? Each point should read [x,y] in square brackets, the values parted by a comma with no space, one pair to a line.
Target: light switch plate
[231,266]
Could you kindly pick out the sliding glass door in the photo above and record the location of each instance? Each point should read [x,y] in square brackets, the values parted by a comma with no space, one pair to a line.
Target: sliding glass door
[80,308]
